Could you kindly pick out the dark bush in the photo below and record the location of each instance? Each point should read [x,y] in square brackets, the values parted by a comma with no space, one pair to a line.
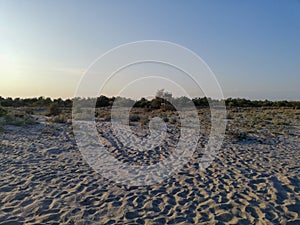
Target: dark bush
[3,111]
[142,103]
[102,101]
[134,118]
[54,109]
[156,103]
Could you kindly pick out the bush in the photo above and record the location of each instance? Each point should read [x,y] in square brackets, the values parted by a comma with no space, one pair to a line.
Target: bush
[142,103]
[19,120]
[156,103]
[3,111]
[134,118]
[54,109]
[165,119]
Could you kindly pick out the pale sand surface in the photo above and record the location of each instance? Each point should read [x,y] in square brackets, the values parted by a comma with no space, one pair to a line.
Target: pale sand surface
[44,180]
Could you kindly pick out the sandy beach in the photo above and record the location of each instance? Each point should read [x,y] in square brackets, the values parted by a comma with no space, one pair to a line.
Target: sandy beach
[253,180]
[149,112]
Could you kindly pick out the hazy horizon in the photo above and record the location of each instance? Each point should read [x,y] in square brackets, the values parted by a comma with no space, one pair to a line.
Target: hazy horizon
[252,47]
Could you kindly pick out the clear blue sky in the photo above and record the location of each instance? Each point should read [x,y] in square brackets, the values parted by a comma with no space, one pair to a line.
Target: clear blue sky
[253,47]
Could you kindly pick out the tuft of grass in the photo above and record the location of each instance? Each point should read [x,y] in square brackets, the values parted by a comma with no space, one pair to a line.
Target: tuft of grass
[237,135]
[61,118]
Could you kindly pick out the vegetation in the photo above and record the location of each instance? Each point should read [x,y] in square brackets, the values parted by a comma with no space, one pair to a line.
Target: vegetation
[163,100]
[252,117]
[3,112]
[237,135]
[261,124]
[61,118]
[54,109]
[15,117]
[134,118]
[19,120]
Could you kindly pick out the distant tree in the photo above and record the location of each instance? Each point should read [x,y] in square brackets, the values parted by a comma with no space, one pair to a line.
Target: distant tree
[111,101]
[102,101]
[163,99]
[160,93]
[7,102]
[68,103]
[142,103]
[168,96]
[183,101]
[156,103]
[47,101]
[41,101]
[201,102]
[59,101]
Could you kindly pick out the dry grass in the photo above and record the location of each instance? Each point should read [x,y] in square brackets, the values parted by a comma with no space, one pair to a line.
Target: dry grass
[61,118]
[245,122]
[242,123]
[16,117]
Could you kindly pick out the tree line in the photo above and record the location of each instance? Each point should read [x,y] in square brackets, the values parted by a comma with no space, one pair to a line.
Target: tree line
[160,101]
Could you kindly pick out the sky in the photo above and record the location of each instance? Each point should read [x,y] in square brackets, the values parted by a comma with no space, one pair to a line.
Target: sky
[252,47]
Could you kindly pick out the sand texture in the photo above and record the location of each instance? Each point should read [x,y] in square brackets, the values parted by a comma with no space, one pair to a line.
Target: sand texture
[45,180]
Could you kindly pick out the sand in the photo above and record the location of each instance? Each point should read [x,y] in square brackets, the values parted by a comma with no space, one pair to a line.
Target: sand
[45,180]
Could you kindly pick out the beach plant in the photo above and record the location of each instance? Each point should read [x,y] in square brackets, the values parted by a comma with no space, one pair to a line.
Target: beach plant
[29,120]
[61,118]
[18,120]
[238,135]
[134,118]
[54,109]
[3,111]
[1,125]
